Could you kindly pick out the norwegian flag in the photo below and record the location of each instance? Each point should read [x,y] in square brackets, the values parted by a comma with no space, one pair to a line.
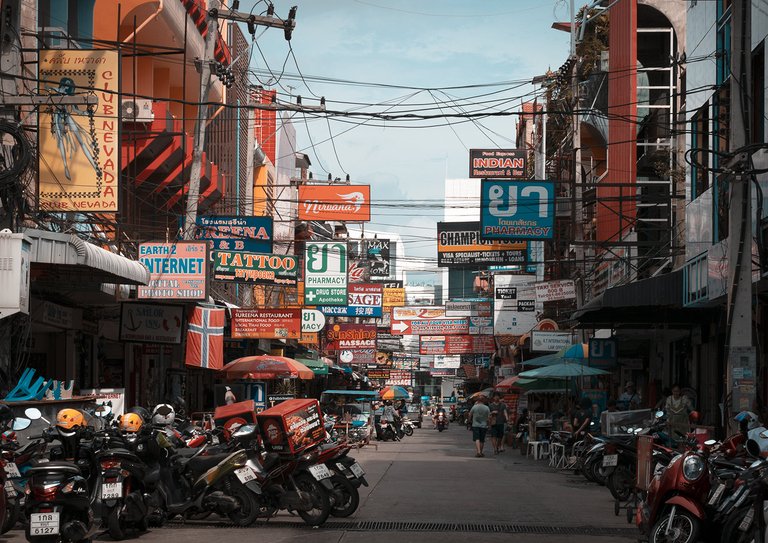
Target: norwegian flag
[205,338]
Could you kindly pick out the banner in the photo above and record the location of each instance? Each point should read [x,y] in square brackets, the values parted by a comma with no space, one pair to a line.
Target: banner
[550,342]
[517,209]
[514,304]
[251,234]
[497,163]
[325,273]
[149,323]
[266,323]
[341,337]
[205,338]
[464,344]
[79,145]
[349,203]
[552,291]
[255,268]
[460,245]
[178,271]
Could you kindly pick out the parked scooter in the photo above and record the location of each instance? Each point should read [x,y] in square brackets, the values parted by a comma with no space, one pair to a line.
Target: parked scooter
[9,470]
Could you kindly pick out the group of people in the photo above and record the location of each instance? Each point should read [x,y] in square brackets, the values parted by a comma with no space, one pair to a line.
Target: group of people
[489,415]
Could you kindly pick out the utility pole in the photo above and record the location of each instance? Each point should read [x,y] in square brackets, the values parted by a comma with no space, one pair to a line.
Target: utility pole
[212,36]
[741,375]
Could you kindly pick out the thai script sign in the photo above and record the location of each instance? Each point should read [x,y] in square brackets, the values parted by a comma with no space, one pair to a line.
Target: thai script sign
[178,271]
[312,320]
[251,234]
[266,323]
[78,145]
[460,245]
[517,209]
[459,344]
[257,268]
[514,304]
[325,273]
[497,163]
[553,291]
[350,203]
[149,323]
[550,342]
[340,337]
[363,300]
[603,352]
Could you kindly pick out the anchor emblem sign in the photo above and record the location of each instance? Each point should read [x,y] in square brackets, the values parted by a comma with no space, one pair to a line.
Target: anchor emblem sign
[517,209]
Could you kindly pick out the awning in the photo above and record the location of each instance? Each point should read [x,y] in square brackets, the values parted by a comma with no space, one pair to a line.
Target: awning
[59,258]
[317,366]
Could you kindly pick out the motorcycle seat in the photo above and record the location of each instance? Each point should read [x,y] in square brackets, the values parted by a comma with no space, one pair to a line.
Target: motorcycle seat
[58,466]
[200,464]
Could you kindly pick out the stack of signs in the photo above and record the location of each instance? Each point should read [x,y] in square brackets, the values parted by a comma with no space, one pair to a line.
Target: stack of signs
[514,304]
[363,300]
[325,273]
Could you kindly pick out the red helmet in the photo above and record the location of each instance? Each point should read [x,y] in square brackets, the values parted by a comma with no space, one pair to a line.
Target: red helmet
[694,417]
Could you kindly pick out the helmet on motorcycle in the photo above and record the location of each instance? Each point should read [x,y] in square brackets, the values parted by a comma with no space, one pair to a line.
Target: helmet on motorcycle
[68,419]
[142,412]
[131,422]
[163,415]
[694,417]
[748,419]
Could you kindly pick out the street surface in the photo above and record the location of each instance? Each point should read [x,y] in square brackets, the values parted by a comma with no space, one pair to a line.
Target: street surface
[434,478]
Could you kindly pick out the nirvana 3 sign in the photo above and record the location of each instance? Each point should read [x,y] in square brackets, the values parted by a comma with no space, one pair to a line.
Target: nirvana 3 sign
[517,209]
[351,203]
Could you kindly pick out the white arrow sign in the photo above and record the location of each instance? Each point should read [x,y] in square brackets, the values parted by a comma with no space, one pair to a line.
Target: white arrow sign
[400,327]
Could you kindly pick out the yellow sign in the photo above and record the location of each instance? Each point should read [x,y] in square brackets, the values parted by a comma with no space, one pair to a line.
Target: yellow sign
[79,145]
[393,297]
[309,338]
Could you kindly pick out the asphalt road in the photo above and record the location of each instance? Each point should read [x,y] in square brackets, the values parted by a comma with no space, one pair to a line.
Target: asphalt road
[431,488]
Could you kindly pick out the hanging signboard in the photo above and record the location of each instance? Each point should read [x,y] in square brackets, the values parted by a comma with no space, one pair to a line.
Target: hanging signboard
[378,374]
[150,323]
[251,234]
[552,291]
[480,326]
[178,271]
[603,353]
[514,304]
[325,273]
[79,146]
[497,163]
[399,378]
[459,245]
[517,209]
[341,337]
[461,308]
[550,342]
[378,253]
[441,372]
[358,356]
[363,300]
[459,344]
[431,327]
[393,297]
[266,323]
[446,362]
[349,203]
[256,268]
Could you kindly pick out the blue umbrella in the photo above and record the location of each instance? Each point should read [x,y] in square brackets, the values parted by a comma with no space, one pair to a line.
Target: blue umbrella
[562,371]
[576,353]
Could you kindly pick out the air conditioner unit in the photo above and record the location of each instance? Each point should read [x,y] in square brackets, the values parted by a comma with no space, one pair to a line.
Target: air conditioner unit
[137,110]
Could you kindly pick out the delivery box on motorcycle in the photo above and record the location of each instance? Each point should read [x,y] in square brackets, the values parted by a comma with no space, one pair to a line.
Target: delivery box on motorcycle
[292,426]
[232,416]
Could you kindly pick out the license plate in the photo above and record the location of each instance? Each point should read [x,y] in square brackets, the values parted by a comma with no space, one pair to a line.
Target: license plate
[747,522]
[111,491]
[357,470]
[610,460]
[245,474]
[9,490]
[12,470]
[44,524]
[320,472]
[716,494]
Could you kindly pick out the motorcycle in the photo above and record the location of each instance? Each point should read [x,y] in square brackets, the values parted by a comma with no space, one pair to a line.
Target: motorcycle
[407,425]
[441,421]
[9,474]
[345,481]
[388,431]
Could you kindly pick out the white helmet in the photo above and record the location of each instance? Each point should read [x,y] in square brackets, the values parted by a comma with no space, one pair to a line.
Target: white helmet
[163,415]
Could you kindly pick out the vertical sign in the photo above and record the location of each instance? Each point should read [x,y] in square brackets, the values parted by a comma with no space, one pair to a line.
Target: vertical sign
[78,145]
[325,277]
[514,304]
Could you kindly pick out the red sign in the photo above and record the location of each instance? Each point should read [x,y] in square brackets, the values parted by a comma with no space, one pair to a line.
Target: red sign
[432,327]
[456,344]
[266,323]
[341,337]
[351,203]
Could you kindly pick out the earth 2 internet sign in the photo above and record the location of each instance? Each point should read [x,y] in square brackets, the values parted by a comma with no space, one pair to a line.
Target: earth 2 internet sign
[517,209]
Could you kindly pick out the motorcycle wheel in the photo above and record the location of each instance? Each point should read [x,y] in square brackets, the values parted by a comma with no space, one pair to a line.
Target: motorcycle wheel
[12,510]
[388,434]
[248,510]
[408,430]
[620,482]
[684,529]
[589,470]
[347,497]
[320,501]
[115,525]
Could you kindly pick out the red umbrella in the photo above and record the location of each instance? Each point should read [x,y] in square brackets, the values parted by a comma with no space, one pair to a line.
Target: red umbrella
[267,367]
[508,383]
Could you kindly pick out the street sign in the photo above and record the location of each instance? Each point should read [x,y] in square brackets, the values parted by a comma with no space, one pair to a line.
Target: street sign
[325,273]
[517,209]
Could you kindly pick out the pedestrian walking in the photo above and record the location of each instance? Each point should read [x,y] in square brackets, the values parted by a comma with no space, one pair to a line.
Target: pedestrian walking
[479,415]
[497,422]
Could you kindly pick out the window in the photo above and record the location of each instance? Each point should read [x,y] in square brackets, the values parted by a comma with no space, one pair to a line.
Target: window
[758,94]
[700,152]
[63,19]
[723,40]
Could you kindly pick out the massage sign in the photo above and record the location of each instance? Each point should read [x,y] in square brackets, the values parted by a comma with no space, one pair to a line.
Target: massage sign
[340,337]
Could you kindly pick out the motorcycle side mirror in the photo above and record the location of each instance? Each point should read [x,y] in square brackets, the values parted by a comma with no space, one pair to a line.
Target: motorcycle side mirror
[20,423]
[33,413]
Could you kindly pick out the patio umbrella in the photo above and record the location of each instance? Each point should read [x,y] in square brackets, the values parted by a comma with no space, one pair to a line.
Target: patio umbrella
[486,392]
[267,367]
[562,371]
[577,353]
[393,393]
[544,386]
[509,383]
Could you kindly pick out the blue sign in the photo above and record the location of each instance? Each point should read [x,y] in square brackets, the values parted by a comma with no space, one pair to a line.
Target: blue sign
[351,311]
[249,234]
[259,394]
[517,209]
[603,353]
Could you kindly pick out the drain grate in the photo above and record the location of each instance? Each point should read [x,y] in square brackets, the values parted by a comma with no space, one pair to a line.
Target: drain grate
[461,527]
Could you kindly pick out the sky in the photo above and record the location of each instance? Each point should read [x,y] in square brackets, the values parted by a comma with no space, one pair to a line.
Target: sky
[409,46]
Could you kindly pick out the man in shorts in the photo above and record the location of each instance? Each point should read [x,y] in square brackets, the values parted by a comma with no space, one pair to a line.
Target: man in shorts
[498,421]
[479,415]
